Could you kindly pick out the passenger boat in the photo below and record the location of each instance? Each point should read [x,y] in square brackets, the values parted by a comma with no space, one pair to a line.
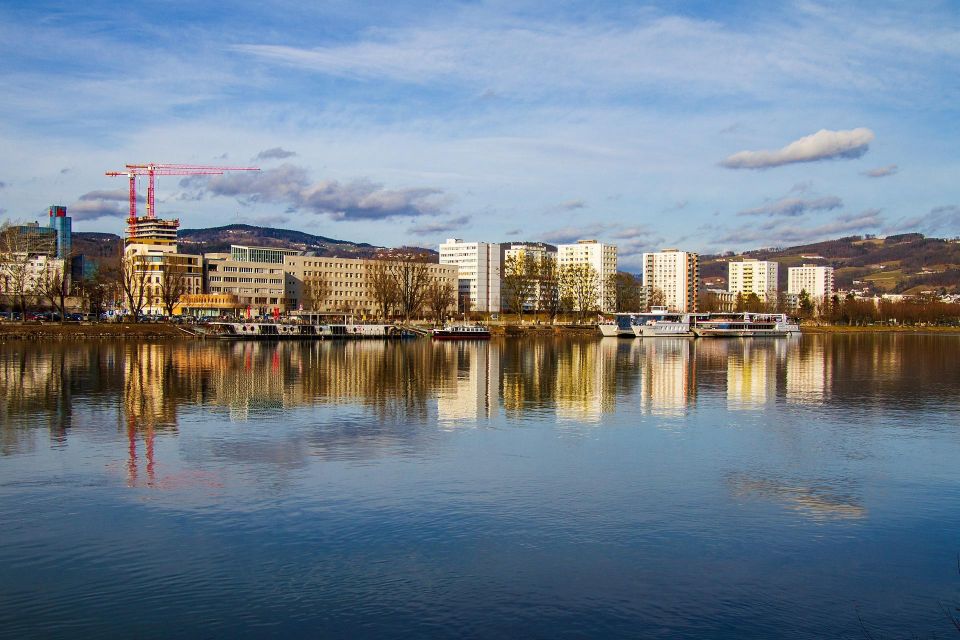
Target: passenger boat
[620,325]
[462,332]
[744,325]
[660,323]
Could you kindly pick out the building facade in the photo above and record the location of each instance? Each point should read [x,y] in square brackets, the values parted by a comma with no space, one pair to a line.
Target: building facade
[252,275]
[672,277]
[152,265]
[601,257]
[815,280]
[347,285]
[753,276]
[479,266]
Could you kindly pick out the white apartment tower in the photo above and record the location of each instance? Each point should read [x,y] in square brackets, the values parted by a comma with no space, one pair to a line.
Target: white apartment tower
[676,274]
[816,281]
[479,267]
[753,276]
[536,252]
[602,257]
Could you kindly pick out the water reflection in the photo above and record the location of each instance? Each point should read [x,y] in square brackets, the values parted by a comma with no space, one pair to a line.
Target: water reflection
[145,386]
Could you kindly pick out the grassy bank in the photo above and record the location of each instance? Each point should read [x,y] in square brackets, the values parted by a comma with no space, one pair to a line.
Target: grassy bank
[842,328]
[70,331]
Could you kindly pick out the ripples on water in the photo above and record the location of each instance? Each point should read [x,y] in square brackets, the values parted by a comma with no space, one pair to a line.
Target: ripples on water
[549,488]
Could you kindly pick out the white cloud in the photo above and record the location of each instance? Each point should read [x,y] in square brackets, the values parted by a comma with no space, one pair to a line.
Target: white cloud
[822,145]
[355,200]
[882,172]
[793,207]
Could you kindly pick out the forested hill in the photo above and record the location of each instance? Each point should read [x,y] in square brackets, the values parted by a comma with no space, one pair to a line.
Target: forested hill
[907,262]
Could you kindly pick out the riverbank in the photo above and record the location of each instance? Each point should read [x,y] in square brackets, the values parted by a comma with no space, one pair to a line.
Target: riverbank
[103,330]
[842,328]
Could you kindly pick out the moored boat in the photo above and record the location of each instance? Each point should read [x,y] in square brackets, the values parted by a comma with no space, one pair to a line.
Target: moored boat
[744,325]
[620,325]
[660,323]
[462,332]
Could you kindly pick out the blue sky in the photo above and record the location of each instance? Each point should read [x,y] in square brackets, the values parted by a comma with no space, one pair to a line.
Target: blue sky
[702,125]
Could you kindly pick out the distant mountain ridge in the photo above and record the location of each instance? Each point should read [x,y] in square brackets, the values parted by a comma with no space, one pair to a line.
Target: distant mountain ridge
[904,263]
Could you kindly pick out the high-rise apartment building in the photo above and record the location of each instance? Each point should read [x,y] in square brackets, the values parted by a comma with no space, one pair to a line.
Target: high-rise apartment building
[815,280]
[671,277]
[601,257]
[479,267]
[753,276]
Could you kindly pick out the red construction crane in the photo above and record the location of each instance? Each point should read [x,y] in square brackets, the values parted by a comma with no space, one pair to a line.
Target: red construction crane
[151,170]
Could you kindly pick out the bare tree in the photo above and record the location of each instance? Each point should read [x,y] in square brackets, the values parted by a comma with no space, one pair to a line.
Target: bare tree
[383,288]
[465,304]
[440,297]
[16,252]
[54,285]
[97,289]
[656,298]
[133,284]
[173,284]
[519,281]
[549,297]
[580,283]
[316,291]
[411,276]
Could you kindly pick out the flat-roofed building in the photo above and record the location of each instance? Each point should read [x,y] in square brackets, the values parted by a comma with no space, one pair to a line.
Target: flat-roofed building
[348,285]
[753,276]
[816,281]
[601,257]
[479,272]
[272,255]
[259,286]
[671,278]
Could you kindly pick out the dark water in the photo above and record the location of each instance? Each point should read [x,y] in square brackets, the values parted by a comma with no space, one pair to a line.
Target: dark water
[535,489]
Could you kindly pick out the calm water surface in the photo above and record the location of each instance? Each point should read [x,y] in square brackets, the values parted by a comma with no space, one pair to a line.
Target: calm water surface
[541,489]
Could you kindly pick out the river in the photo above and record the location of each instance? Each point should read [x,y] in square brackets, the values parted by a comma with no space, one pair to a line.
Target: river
[548,488]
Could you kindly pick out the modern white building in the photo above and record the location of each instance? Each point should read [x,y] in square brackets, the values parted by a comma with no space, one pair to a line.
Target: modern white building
[815,280]
[479,266]
[753,276]
[602,257]
[675,274]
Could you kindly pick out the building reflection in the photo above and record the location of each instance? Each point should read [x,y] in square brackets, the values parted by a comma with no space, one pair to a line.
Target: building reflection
[473,391]
[667,376]
[751,374]
[144,388]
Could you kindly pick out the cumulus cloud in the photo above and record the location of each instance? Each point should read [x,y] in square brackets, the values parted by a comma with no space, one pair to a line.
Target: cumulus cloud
[102,204]
[439,227]
[276,153]
[822,145]
[882,172]
[793,207]
[290,185]
[943,219]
